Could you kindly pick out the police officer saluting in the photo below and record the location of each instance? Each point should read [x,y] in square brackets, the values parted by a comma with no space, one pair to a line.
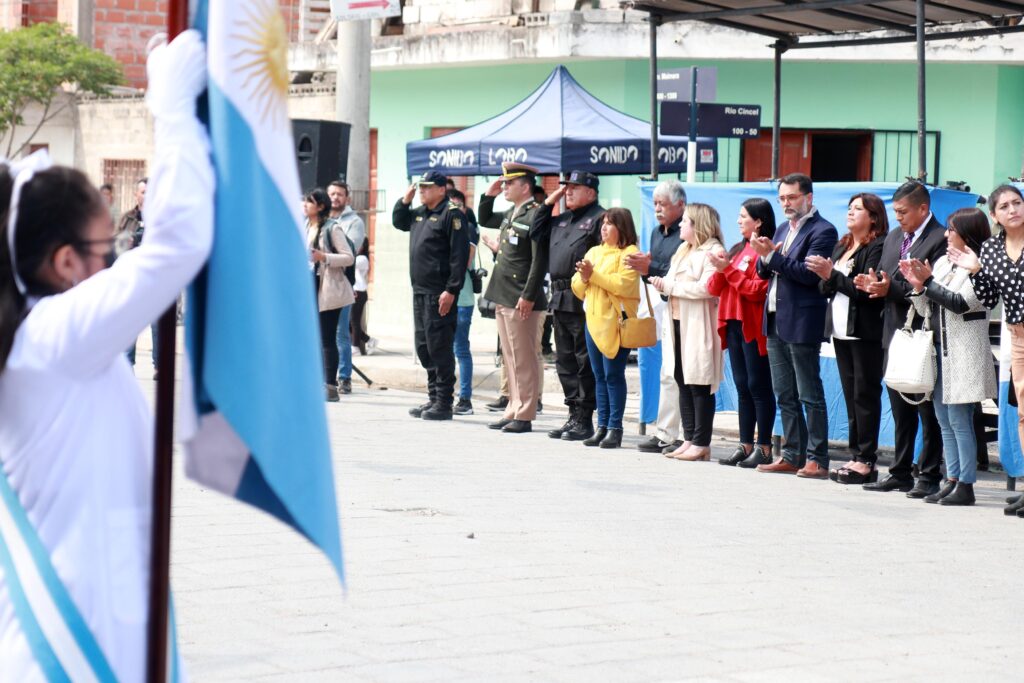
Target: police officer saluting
[517,289]
[569,236]
[438,254]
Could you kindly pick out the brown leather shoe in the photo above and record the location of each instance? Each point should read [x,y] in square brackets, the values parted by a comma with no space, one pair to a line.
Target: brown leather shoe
[813,470]
[780,466]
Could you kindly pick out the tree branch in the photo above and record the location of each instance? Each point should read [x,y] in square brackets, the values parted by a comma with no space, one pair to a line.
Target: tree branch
[42,120]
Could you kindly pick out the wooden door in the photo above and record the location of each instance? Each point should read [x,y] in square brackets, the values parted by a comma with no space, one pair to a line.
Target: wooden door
[794,154]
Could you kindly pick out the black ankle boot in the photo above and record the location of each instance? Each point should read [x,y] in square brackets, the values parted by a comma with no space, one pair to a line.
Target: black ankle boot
[568,426]
[963,494]
[582,429]
[597,438]
[947,488]
[1011,509]
[613,439]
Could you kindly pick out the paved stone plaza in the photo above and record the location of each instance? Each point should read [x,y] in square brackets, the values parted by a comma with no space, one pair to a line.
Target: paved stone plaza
[479,556]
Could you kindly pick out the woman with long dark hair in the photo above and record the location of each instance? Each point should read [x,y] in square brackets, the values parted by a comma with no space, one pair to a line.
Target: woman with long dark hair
[742,294]
[76,431]
[854,321]
[359,336]
[329,255]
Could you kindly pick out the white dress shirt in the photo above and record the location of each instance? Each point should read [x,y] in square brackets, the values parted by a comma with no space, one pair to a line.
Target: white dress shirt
[794,228]
[76,433]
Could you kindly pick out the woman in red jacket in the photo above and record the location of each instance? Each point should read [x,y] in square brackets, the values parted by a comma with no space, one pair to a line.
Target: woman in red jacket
[742,297]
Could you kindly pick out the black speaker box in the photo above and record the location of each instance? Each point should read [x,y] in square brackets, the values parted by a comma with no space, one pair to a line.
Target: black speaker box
[321,149]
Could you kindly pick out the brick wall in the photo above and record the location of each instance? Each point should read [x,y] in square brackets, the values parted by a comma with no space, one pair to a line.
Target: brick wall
[37,11]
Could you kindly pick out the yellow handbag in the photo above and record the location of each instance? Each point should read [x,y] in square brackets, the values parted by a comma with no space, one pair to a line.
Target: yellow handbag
[636,333]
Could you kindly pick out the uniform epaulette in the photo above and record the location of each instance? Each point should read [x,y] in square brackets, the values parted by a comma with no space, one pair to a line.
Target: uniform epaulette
[452,205]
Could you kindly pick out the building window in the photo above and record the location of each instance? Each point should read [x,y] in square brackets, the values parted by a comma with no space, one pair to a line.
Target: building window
[123,175]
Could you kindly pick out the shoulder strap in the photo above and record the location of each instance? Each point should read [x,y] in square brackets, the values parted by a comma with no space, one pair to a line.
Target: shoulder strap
[64,647]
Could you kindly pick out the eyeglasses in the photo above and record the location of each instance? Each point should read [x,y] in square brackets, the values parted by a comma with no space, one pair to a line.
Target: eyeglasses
[790,198]
[118,244]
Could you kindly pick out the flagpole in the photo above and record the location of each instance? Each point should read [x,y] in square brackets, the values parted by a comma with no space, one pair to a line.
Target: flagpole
[160,554]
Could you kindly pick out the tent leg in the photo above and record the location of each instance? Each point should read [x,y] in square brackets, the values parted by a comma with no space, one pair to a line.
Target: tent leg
[922,150]
[653,21]
[780,47]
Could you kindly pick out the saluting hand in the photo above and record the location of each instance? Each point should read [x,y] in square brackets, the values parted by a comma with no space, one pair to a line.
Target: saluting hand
[555,196]
[410,193]
[495,189]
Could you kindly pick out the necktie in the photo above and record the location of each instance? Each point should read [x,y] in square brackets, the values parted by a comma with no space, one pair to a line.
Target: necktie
[906,245]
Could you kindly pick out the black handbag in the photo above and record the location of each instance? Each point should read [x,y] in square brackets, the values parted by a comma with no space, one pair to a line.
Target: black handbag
[487,308]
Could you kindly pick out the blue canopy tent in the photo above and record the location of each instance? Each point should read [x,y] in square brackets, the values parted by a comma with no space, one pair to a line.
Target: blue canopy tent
[559,127]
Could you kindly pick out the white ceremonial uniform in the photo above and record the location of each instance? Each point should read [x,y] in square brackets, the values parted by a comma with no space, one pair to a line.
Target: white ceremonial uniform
[76,433]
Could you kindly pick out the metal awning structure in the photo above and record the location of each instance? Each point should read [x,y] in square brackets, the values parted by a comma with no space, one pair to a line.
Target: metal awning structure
[804,24]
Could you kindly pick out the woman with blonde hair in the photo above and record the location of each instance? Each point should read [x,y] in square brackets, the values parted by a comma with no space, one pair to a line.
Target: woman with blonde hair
[608,288]
[694,320]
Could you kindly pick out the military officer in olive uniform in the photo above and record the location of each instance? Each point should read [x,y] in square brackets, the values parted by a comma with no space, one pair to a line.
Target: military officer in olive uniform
[569,235]
[517,289]
[438,254]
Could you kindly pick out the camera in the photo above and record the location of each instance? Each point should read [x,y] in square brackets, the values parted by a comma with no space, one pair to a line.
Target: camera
[476,276]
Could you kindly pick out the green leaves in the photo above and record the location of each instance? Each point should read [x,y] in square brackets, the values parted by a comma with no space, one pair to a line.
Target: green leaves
[37,62]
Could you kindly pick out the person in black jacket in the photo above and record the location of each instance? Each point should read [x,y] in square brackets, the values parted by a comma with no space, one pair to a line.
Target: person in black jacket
[854,321]
[922,237]
[568,236]
[438,256]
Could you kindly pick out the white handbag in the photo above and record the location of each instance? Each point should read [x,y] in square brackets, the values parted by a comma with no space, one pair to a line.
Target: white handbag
[911,366]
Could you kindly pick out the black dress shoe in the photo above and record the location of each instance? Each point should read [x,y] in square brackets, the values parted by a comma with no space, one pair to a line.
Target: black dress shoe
[418,410]
[962,495]
[923,489]
[738,456]
[597,438]
[1015,498]
[674,446]
[613,439]
[518,427]
[890,483]
[500,424]
[498,405]
[652,445]
[756,457]
[540,406]
[437,412]
[1015,507]
[947,488]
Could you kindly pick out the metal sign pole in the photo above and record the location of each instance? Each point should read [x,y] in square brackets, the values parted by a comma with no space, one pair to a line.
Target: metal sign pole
[691,146]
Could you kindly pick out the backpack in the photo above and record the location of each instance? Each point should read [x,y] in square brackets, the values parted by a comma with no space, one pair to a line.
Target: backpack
[350,271]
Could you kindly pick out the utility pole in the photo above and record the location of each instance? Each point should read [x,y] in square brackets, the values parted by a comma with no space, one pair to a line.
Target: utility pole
[353,104]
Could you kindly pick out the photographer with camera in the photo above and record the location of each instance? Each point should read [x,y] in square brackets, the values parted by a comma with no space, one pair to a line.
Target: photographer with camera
[516,288]
[474,284]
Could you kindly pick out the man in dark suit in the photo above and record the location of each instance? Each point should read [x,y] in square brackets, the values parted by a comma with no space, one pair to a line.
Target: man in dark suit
[922,237]
[794,322]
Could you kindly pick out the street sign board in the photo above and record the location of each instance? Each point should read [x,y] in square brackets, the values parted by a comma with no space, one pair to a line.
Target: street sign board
[358,10]
[713,120]
[674,84]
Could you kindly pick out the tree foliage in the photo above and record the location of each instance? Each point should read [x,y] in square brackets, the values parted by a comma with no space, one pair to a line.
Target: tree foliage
[37,63]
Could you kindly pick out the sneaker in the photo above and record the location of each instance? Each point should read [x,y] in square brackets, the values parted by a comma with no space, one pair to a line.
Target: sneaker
[345,386]
[371,347]
[464,407]
[499,405]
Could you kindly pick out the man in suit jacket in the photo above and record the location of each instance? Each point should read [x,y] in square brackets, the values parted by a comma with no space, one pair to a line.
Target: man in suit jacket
[794,323]
[922,237]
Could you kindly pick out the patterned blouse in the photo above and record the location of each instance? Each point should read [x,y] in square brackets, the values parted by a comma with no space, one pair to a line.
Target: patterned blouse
[1000,277]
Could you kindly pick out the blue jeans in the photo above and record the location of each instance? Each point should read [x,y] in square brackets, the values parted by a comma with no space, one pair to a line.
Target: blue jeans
[344,341]
[462,353]
[796,378]
[610,384]
[959,444]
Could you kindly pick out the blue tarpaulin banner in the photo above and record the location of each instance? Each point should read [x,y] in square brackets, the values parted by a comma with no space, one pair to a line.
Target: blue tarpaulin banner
[831,200]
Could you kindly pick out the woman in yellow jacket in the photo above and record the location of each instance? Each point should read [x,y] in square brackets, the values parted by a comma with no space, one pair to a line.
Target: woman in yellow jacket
[608,287]
[695,338]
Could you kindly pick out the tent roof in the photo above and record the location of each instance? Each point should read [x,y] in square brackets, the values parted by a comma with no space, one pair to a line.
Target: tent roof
[789,20]
[558,127]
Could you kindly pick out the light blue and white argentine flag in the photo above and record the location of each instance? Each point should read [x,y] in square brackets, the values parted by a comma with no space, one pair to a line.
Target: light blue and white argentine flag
[1010,455]
[259,429]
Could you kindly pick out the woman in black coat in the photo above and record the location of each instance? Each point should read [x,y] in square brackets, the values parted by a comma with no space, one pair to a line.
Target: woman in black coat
[854,322]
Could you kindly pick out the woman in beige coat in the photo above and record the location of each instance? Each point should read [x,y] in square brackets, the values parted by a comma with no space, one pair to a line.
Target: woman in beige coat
[694,321]
[329,255]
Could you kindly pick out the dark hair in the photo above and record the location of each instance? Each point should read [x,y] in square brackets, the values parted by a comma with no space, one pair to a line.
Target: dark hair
[622,219]
[760,210]
[55,208]
[799,179]
[972,225]
[142,181]
[993,198]
[875,207]
[537,189]
[457,194]
[320,198]
[913,192]
[106,186]
[342,185]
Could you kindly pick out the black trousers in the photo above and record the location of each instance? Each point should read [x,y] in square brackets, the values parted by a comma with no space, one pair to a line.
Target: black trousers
[905,417]
[752,375]
[359,336]
[572,362]
[696,402]
[860,371]
[435,336]
[329,344]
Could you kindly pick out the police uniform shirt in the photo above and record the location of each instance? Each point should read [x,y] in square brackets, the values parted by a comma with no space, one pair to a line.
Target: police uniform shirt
[521,263]
[438,245]
[570,235]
